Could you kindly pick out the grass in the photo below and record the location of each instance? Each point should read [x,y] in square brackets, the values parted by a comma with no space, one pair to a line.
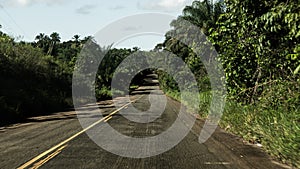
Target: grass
[273,121]
[277,130]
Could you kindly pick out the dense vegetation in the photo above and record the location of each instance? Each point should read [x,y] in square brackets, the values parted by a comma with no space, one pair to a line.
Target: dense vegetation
[258,46]
[31,81]
[36,77]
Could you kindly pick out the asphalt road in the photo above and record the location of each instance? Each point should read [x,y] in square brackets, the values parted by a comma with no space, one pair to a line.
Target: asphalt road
[58,141]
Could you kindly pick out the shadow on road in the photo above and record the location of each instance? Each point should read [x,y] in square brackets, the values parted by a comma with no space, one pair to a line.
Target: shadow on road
[149,84]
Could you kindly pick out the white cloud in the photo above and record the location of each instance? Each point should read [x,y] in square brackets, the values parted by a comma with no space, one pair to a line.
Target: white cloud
[86,9]
[171,3]
[165,5]
[117,7]
[23,3]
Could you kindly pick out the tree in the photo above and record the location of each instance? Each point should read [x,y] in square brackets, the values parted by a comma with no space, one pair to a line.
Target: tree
[43,42]
[203,14]
[76,38]
[77,41]
[54,40]
[255,41]
[40,37]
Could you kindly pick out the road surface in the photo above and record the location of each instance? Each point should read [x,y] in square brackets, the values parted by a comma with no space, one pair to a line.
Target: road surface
[59,141]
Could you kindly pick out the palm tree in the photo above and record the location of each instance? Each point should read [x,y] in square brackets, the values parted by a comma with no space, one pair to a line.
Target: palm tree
[76,38]
[203,14]
[55,37]
[40,37]
[40,40]
[54,40]
[43,41]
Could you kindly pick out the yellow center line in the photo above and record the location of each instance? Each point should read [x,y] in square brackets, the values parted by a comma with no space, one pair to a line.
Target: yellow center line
[49,157]
[30,162]
[108,119]
[217,163]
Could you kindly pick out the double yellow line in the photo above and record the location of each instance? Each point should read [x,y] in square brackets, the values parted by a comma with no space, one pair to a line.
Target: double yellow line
[55,150]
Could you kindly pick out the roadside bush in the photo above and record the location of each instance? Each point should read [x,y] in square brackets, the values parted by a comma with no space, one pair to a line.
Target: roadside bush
[31,83]
[273,121]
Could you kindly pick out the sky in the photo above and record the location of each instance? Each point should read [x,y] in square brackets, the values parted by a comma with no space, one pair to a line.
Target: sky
[24,19]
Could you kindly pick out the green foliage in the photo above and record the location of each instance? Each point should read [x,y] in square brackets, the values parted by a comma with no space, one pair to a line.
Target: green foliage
[204,15]
[258,43]
[254,40]
[273,121]
[31,83]
[107,69]
[258,46]
[112,58]
[36,77]
[297,70]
